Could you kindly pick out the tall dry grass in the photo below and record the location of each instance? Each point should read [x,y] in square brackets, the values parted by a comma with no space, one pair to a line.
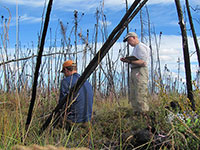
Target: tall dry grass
[112,127]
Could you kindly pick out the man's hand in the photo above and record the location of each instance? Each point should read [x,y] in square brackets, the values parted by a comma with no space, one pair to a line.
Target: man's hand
[144,64]
[123,59]
[138,62]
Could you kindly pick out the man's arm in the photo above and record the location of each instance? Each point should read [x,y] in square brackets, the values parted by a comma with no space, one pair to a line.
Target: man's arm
[131,58]
[64,88]
[138,62]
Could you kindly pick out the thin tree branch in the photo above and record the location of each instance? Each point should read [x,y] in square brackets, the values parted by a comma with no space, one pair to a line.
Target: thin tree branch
[29,57]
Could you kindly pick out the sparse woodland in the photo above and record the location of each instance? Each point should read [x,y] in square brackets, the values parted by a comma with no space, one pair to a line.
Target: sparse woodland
[30,81]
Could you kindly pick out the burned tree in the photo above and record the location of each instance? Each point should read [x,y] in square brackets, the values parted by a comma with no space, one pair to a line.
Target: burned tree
[39,59]
[185,53]
[193,31]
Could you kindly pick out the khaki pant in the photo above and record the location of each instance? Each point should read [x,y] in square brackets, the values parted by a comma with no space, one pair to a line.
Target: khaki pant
[138,89]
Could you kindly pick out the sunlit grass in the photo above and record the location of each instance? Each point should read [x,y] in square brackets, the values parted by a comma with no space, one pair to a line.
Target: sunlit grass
[112,125]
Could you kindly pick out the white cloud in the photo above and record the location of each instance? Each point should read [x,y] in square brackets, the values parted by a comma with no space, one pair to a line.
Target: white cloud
[32,3]
[160,1]
[108,23]
[89,5]
[29,19]
[195,2]
[171,49]
[166,58]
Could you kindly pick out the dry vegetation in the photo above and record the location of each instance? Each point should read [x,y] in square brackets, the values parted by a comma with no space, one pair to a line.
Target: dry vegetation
[113,127]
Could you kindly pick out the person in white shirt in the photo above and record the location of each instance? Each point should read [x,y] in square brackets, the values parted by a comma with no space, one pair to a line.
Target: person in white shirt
[139,73]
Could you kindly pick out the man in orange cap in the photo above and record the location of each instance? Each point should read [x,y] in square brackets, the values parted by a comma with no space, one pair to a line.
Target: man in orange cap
[80,110]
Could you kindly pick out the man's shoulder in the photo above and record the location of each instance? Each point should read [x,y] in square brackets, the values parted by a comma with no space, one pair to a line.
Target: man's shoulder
[73,76]
[76,75]
[69,78]
[143,46]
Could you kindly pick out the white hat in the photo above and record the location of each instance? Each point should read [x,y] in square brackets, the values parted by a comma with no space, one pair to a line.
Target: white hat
[129,35]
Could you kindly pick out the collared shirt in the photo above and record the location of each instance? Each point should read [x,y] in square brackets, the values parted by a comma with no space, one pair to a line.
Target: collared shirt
[81,108]
[141,51]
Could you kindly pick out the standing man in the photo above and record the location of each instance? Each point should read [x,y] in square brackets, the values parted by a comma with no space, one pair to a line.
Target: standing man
[139,73]
[79,110]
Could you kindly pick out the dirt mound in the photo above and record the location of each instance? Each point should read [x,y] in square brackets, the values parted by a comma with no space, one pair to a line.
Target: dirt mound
[48,147]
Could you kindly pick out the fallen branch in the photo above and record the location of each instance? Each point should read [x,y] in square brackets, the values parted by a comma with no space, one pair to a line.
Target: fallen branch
[29,57]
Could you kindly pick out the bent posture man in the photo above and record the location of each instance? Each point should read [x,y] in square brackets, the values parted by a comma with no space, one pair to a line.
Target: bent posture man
[139,73]
[80,108]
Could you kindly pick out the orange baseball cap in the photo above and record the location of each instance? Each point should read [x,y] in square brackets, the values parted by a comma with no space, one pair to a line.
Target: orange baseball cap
[68,63]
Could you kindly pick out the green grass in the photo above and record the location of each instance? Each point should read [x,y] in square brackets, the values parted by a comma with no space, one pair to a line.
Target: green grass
[113,124]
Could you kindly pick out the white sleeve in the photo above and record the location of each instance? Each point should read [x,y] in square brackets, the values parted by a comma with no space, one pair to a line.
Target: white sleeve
[142,52]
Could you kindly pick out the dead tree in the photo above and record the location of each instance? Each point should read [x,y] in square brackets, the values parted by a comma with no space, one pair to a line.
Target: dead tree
[128,51]
[142,26]
[193,31]
[39,59]
[115,34]
[178,74]
[158,56]
[109,65]
[85,50]
[198,78]
[4,37]
[75,31]
[151,53]
[65,42]
[185,53]
[94,77]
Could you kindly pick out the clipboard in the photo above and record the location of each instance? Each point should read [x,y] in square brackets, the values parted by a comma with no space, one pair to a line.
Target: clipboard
[131,58]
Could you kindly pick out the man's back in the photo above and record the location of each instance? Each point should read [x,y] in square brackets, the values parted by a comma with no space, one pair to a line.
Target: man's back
[81,107]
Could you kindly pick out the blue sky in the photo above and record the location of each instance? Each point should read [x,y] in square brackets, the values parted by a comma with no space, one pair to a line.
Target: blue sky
[162,13]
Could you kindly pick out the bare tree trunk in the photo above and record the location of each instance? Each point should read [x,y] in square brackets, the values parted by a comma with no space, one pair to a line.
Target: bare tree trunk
[49,68]
[39,59]
[178,73]
[59,66]
[151,52]
[158,56]
[110,70]
[198,78]
[75,32]
[128,53]
[193,31]
[65,41]
[6,79]
[85,52]
[94,77]
[142,26]
[32,67]
[56,64]
[4,37]
[186,54]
